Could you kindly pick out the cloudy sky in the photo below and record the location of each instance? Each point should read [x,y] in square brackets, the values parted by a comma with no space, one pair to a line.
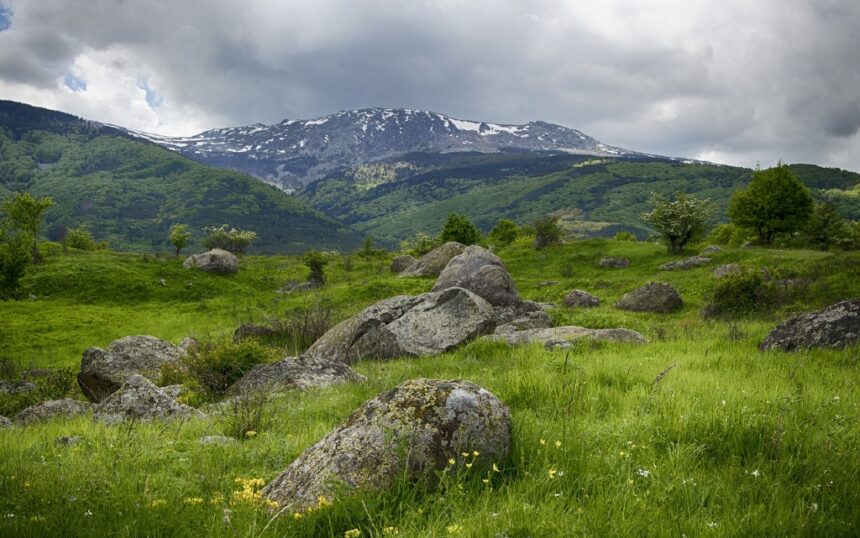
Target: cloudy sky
[732,81]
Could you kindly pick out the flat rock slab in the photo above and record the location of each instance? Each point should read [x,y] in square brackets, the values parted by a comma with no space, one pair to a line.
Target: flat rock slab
[653,297]
[412,430]
[64,408]
[835,327]
[566,333]
[686,263]
[432,263]
[139,399]
[294,374]
[481,272]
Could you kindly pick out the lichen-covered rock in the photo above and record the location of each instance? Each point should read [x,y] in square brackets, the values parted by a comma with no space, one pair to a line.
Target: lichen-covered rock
[686,263]
[610,262]
[711,249]
[214,261]
[174,391]
[68,440]
[412,430]
[65,408]
[432,263]
[581,299]
[727,269]
[402,263]
[253,330]
[566,333]
[401,326]
[103,371]
[16,387]
[654,297]
[481,272]
[5,422]
[139,399]
[835,327]
[294,374]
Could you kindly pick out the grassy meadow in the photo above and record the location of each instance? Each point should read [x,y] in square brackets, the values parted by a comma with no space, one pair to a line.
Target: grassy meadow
[695,433]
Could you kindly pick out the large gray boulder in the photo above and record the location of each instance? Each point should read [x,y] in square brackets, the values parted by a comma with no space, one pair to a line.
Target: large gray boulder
[402,263]
[104,370]
[654,297]
[214,261]
[567,333]
[610,262]
[65,408]
[139,399]
[835,327]
[686,263]
[581,299]
[432,263]
[294,374]
[481,272]
[16,387]
[412,430]
[727,270]
[401,326]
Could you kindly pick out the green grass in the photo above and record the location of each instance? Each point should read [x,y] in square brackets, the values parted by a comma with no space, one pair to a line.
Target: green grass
[730,442]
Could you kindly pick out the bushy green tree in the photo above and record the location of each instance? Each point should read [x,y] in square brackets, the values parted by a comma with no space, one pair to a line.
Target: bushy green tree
[624,235]
[179,236]
[547,231]
[775,202]
[368,251]
[316,262]
[15,256]
[503,233]
[80,238]
[679,220]
[227,238]
[459,228]
[826,228]
[26,213]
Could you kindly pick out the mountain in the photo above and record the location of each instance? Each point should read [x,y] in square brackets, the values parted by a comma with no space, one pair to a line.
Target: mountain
[294,153]
[129,191]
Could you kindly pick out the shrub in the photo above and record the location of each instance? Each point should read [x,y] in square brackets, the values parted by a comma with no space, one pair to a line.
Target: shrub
[217,366]
[316,262]
[368,251]
[826,228]
[51,384]
[231,239]
[547,232]
[503,233]
[419,244]
[15,256]
[80,238]
[299,328]
[247,416]
[459,228]
[740,294]
[624,235]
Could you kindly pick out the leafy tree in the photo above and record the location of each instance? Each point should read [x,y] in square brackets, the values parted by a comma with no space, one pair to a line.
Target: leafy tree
[316,262]
[26,213]
[232,239]
[826,228]
[459,228]
[503,233]
[678,221]
[179,236]
[774,202]
[15,256]
[419,245]
[547,232]
[80,238]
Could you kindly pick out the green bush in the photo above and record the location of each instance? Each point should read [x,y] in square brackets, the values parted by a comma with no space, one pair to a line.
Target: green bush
[51,384]
[15,256]
[624,235]
[503,233]
[419,244]
[316,262]
[227,238]
[80,238]
[217,366]
[740,294]
[547,232]
[460,229]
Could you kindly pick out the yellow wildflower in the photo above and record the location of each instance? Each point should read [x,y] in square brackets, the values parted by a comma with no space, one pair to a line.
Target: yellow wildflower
[552,473]
[193,501]
[250,433]
[495,468]
[352,533]
[297,515]
[390,531]
[558,444]
[476,453]
[485,480]
[543,441]
[451,461]
[216,499]
[468,466]
[454,529]
[465,454]
[157,502]
[322,501]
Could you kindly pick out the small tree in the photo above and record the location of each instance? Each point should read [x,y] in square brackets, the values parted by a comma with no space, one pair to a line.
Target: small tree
[15,256]
[316,262]
[459,228]
[503,233]
[774,202]
[368,251]
[80,238]
[547,232]
[179,236]
[826,228]
[26,214]
[678,221]
[227,238]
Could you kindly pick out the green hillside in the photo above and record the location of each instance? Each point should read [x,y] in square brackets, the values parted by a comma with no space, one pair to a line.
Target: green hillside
[129,192]
[599,196]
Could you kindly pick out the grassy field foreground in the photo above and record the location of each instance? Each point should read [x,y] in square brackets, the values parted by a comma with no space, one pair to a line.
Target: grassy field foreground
[696,433]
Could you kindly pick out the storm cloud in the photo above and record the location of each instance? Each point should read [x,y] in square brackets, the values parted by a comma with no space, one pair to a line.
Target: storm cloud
[737,82]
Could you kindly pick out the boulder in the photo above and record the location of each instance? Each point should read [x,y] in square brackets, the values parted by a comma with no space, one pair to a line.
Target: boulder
[566,333]
[654,297]
[402,263]
[253,330]
[16,387]
[686,263]
[216,440]
[614,263]
[174,391]
[727,269]
[835,327]
[5,422]
[581,299]
[428,324]
[294,374]
[412,430]
[65,408]
[103,371]
[139,399]
[214,261]
[711,249]
[189,344]
[481,272]
[432,263]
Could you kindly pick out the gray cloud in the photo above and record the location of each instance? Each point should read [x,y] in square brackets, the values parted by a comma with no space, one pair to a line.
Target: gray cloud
[738,82]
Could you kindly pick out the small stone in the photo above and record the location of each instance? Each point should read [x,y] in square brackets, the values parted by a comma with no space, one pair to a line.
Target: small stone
[162,281]
[64,408]
[654,297]
[16,387]
[68,440]
[581,299]
[547,283]
[728,269]
[5,422]
[216,440]
[614,263]
[686,263]
[711,249]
